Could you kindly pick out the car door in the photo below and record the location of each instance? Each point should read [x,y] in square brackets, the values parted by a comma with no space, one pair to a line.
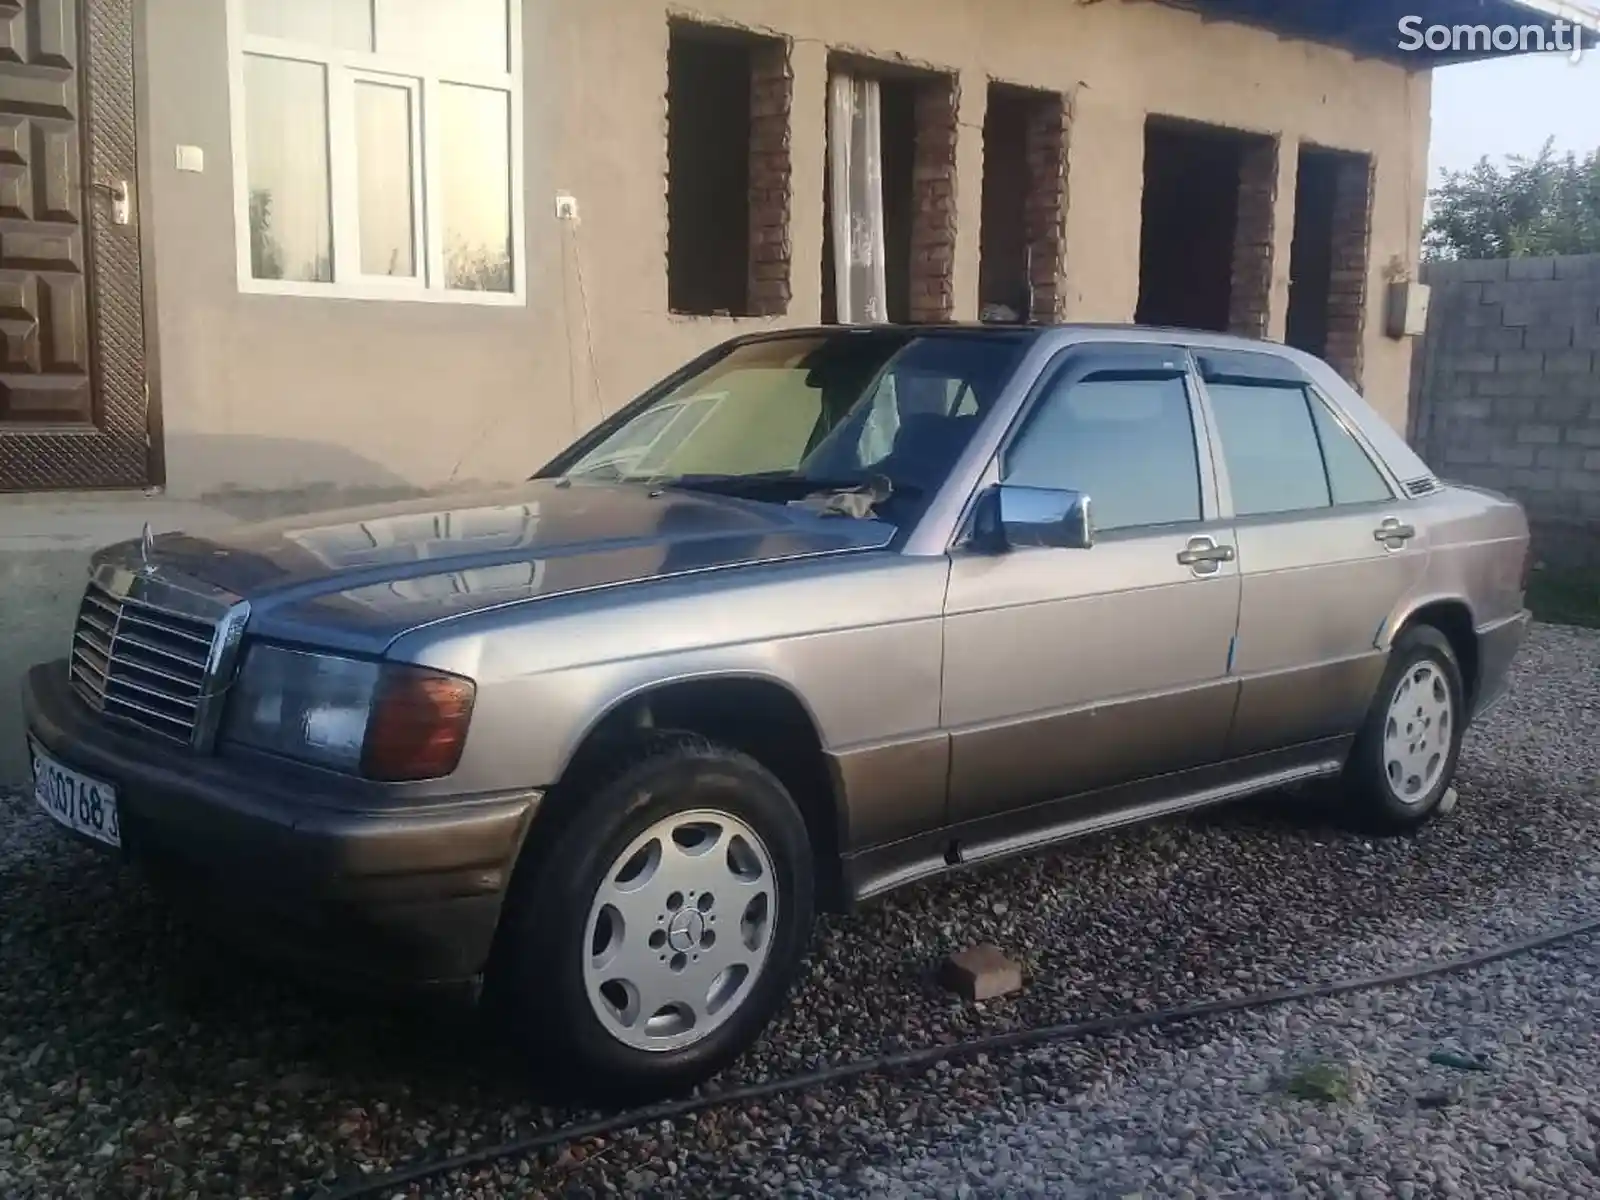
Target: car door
[1068,672]
[1327,549]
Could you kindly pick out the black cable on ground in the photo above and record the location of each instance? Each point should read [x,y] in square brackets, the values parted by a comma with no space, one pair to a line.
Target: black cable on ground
[389,1182]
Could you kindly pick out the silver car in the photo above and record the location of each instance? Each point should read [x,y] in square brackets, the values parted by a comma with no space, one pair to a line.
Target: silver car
[826,612]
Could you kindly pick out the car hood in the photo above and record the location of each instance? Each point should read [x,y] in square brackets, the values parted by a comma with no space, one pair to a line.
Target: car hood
[358,578]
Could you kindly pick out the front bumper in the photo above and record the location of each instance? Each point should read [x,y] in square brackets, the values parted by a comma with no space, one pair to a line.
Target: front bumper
[1498,645]
[395,896]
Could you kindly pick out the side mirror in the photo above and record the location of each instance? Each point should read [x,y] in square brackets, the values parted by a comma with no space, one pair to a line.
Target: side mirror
[1010,517]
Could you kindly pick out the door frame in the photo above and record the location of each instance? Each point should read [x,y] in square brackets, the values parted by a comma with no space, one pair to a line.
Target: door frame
[144,175]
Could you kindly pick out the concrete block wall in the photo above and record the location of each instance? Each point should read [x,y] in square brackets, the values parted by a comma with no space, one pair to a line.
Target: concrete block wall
[1507,391]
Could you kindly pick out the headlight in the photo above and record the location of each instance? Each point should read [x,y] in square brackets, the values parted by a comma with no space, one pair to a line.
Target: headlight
[387,721]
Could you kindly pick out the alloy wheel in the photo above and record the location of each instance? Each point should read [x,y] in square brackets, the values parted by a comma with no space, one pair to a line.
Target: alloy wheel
[680,929]
[1417,732]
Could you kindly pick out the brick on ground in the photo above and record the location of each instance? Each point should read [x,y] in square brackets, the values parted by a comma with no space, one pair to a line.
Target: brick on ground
[980,973]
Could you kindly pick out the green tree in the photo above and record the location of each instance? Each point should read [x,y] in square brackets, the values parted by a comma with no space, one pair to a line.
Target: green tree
[1529,207]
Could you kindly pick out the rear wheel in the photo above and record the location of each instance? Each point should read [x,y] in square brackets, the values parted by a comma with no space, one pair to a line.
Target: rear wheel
[649,943]
[1404,758]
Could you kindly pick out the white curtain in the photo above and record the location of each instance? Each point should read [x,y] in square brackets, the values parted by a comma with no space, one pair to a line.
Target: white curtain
[855,173]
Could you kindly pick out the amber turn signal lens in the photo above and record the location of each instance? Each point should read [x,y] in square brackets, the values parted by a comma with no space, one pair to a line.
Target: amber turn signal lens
[418,725]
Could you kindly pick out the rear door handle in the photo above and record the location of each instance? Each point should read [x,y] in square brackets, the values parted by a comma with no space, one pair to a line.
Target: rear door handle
[1394,530]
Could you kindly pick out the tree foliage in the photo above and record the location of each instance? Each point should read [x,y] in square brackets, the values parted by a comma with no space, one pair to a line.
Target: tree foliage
[1530,206]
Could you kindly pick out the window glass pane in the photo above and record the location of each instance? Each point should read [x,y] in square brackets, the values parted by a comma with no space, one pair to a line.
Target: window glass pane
[841,406]
[685,423]
[1128,444]
[384,180]
[475,187]
[346,24]
[286,151]
[1354,477]
[472,34]
[1270,446]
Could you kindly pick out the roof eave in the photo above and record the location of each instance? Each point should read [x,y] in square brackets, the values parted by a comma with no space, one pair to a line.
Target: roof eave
[1374,33]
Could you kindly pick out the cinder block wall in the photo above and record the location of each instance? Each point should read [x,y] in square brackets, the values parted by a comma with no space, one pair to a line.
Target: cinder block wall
[1506,391]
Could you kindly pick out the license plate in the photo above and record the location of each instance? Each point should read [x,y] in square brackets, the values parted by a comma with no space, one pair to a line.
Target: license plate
[88,806]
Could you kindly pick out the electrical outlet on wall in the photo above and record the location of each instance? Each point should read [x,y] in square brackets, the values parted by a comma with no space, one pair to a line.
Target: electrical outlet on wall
[566,207]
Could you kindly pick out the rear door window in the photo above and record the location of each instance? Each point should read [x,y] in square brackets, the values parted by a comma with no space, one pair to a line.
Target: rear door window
[1287,452]
[1269,442]
[1352,475]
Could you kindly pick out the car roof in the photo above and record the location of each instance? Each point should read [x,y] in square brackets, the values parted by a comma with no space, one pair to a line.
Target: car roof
[1012,330]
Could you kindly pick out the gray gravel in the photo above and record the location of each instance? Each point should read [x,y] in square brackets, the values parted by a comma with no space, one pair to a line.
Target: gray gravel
[1225,1116]
[137,1059]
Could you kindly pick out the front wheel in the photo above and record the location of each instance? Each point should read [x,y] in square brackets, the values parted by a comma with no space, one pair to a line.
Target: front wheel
[1404,758]
[647,946]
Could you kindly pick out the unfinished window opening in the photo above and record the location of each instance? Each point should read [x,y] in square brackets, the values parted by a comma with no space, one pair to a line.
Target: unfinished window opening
[1023,230]
[1206,250]
[889,196]
[1328,260]
[728,98]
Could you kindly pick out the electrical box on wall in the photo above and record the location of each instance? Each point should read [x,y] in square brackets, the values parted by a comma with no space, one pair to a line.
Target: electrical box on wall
[1408,309]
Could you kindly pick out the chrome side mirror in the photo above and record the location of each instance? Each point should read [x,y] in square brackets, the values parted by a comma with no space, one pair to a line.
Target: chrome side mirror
[1009,517]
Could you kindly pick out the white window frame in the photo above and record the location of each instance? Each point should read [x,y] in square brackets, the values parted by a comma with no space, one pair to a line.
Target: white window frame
[343,70]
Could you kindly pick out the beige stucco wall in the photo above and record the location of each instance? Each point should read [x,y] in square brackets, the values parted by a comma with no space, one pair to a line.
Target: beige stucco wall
[268,392]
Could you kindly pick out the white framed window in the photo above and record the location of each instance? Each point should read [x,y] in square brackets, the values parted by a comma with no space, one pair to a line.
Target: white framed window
[377,148]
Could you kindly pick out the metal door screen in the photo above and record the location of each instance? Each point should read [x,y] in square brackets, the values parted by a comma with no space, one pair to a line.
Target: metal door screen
[73,401]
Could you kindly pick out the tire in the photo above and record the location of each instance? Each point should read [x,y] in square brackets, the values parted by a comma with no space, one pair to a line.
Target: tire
[1395,789]
[573,938]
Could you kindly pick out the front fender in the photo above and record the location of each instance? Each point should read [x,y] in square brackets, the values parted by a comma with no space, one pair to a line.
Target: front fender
[857,643]
[627,688]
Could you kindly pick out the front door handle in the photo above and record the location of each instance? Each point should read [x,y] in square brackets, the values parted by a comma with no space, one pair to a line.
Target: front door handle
[1394,530]
[1205,556]
[121,196]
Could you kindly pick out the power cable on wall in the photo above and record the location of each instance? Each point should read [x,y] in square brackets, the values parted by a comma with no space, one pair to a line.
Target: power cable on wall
[928,1056]
[566,329]
[570,219]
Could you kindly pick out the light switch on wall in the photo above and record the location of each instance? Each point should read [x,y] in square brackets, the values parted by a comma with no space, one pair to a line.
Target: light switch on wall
[191,158]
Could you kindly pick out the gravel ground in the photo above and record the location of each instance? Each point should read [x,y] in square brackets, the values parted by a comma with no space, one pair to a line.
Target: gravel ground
[138,1059]
[1229,1114]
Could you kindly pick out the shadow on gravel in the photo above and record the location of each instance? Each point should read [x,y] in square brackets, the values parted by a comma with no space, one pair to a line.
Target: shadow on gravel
[137,1052]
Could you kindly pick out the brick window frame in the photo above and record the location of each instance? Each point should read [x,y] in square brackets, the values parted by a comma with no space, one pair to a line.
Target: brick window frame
[1250,298]
[768,191]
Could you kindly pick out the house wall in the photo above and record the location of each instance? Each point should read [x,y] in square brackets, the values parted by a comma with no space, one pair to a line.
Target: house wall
[284,394]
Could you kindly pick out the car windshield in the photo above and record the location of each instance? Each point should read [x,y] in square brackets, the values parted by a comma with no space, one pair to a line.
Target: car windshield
[825,412]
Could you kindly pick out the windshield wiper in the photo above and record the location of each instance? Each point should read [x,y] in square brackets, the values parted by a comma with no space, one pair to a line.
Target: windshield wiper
[785,483]
[858,498]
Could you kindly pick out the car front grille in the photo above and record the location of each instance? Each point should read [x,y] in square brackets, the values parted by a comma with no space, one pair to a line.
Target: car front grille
[141,662]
